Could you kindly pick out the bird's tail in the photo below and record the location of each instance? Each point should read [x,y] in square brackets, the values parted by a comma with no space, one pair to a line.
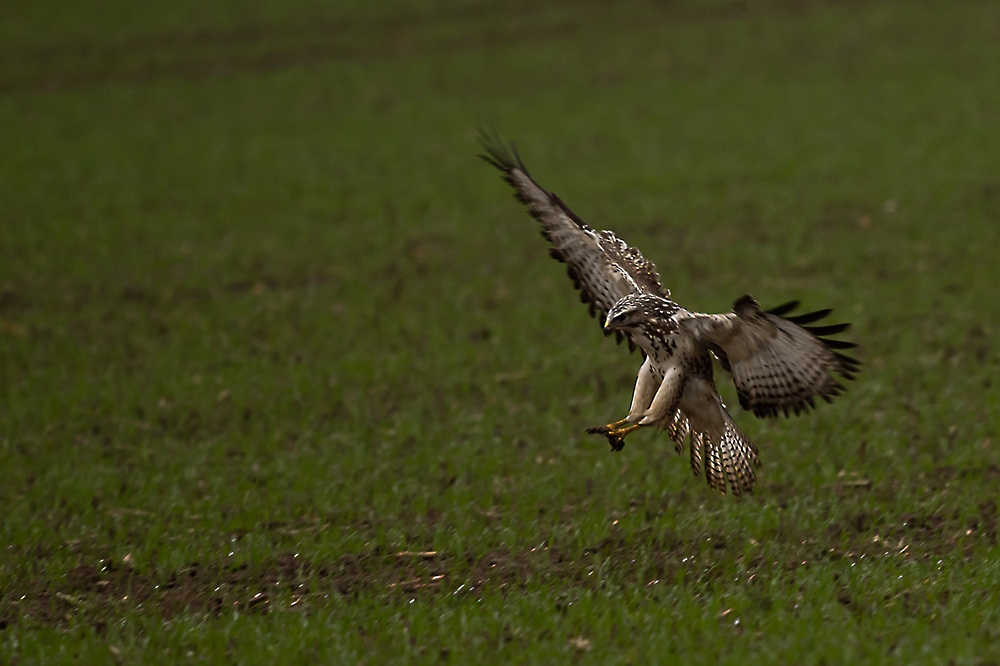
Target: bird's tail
[727,455]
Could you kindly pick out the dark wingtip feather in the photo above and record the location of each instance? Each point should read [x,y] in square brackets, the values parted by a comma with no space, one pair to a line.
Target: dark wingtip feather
[517,158]
[832,329]
[840,344]
[784,308]
[848,366]
[848,360]
[499,155]
[492,162]
[809,317]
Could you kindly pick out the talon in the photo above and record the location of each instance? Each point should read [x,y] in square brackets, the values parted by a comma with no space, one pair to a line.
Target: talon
[614,432]
[617,443]
[605,429]
[621,432]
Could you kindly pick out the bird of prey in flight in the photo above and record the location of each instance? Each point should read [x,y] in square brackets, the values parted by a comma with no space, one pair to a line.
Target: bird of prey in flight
[778,362]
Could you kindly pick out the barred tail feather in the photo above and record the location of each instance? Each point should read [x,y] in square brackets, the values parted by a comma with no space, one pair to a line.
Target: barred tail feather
[729,460]
[697,452]
[678,430]
[713,465]
[743,455]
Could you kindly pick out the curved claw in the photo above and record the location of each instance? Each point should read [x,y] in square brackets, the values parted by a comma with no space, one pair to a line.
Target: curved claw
[614,433]
[605,429]
[617,443]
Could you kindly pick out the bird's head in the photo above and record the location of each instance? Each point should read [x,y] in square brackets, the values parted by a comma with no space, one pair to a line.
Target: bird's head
[635,310]
[626,313]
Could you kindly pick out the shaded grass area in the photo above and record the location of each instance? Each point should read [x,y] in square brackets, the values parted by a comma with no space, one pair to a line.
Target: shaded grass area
[286,374]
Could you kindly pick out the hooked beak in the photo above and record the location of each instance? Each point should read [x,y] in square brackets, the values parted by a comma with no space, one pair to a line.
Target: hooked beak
[607,324]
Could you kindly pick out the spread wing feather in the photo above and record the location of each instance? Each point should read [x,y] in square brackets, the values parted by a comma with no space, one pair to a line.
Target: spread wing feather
[603,267]
[778,365]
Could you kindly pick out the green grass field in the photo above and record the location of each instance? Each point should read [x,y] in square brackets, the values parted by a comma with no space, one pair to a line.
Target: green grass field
[287,376]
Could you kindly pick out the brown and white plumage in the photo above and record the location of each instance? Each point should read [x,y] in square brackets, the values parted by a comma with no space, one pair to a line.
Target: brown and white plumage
[779,364]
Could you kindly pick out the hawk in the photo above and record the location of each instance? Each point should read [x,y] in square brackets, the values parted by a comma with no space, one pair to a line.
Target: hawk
[778,363]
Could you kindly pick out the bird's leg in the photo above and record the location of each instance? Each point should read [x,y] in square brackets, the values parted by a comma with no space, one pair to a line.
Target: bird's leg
[621,432]
[646,385]
[645,388]
[605,429]
[615,432]
[615,435]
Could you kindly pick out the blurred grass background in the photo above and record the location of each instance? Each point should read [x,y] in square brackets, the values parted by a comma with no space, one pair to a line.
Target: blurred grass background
[266,322]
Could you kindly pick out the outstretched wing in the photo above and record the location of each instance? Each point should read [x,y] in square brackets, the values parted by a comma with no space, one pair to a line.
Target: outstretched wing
[779,364]
[603,267]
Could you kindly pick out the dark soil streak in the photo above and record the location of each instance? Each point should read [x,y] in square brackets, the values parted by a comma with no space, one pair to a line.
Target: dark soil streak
[293,583]
[210,53]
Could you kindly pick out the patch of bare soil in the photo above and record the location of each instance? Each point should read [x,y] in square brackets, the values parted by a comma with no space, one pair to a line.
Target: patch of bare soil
[95,593]
[287,580]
